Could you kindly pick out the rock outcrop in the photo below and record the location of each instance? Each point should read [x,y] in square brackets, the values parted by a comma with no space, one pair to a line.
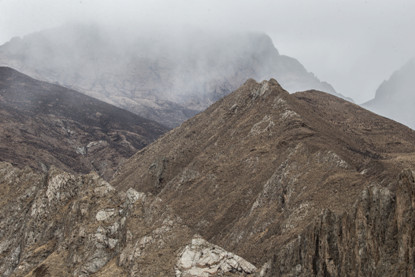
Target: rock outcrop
[201,258]
[167,76]
[42,124]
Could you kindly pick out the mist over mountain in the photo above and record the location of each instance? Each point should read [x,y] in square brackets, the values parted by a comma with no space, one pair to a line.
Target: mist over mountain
[395,98]
[161,74]
[44,125]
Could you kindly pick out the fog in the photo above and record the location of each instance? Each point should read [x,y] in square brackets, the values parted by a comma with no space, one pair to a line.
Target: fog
[353,45]
[160,73]
[400,105]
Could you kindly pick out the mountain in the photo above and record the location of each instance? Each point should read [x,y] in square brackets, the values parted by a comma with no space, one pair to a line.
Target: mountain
[164,75]
[256,168]
[395,98]
[262,183]
[42,124]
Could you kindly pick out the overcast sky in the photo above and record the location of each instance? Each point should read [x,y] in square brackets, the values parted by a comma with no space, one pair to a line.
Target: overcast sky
[352,44]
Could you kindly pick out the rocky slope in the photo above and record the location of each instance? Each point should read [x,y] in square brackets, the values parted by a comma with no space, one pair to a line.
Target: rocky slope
[58,224]
[395,98]
[163,75]
[374,238]
[252,171]
[262,183]
[43,124]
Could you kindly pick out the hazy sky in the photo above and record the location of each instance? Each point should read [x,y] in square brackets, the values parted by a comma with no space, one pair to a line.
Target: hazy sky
[352,44]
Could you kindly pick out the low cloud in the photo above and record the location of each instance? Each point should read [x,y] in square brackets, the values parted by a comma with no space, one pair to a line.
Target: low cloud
[354,45]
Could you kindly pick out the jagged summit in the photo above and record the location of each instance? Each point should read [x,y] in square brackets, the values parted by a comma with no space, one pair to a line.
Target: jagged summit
[44,124]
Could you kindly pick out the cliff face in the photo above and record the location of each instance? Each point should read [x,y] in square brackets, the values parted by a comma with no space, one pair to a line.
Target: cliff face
[395,98]
[374,238]
[167,76]
[43,124]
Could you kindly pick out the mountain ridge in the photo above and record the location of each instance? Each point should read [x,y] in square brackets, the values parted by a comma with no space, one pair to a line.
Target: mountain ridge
[44,124]
[249,157]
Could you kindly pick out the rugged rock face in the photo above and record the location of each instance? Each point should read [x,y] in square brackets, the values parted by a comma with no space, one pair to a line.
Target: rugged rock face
[251,172]
[375,238]
[395,98]
[167,76]
[43,124]
[59,224]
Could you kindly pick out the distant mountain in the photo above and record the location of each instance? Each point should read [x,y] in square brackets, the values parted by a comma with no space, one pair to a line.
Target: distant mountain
[262,183]
[42,124]
[395,98]
[167,76]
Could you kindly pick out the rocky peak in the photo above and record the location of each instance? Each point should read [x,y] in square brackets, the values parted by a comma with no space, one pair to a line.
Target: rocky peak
[264,163]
